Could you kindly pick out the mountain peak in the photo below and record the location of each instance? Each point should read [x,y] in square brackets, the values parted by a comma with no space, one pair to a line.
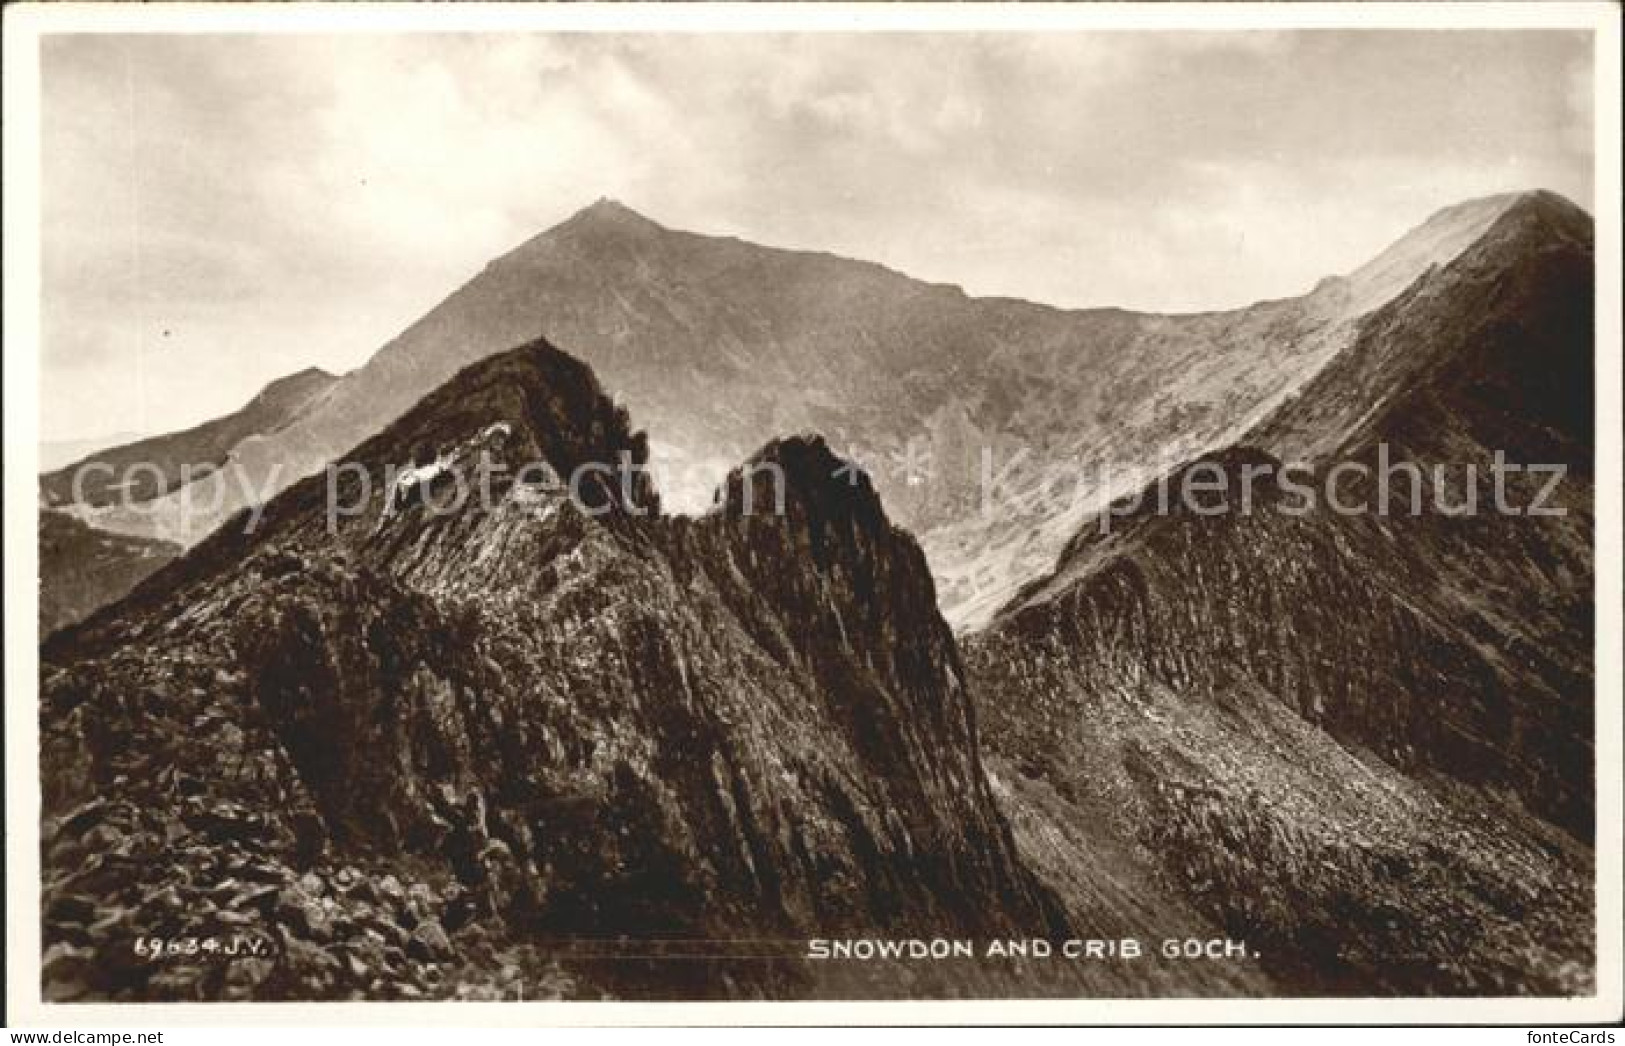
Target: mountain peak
[1447,234]
[608,204]
[292,391]
[1484,211]
[811,472]
[1546,199]
[310,377]
[607,212]
[545,404]
[604,221]
[1554,213]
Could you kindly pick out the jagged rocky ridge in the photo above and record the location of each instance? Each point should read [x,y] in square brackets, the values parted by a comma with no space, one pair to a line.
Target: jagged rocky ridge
[428,754]
[1363,741]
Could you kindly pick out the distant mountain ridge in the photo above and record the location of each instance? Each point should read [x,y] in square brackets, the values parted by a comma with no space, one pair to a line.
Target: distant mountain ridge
[100,520]
[720,345]
[60,453]
[162,458]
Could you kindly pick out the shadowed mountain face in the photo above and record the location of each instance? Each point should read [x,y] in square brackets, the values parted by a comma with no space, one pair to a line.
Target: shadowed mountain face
[85,569]
[398,750]
[720,345]
[1352,736]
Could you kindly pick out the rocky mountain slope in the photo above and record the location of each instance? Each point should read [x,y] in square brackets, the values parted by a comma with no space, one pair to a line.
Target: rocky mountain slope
[720,345]
[523,743]
[1363,740]
[85,568]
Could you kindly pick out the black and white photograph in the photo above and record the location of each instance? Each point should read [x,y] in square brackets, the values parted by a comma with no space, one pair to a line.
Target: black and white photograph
[829,505]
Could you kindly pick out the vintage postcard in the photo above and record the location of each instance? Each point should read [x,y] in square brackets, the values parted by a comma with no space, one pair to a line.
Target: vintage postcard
[1013,514]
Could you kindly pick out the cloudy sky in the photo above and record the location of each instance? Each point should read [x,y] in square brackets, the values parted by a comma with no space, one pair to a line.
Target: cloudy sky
[219,211]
